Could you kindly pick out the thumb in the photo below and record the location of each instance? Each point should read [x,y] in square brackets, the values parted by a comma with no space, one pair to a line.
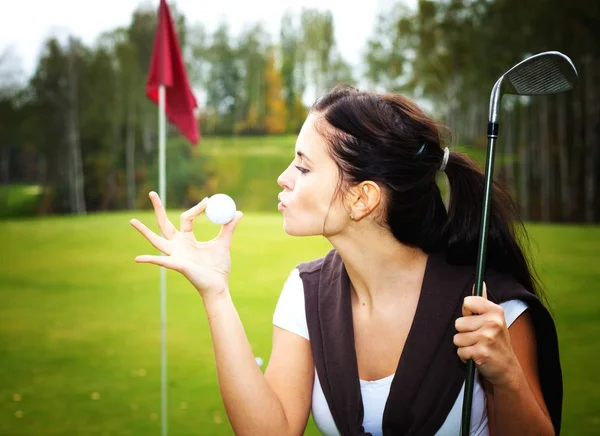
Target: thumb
[226,233]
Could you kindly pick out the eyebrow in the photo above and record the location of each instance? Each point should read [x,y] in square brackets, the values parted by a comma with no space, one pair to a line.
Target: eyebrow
[303,156]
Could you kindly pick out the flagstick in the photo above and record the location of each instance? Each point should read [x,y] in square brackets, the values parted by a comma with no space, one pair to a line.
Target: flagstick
[163,272]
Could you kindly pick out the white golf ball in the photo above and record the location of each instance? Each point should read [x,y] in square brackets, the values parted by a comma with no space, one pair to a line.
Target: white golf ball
[220,209]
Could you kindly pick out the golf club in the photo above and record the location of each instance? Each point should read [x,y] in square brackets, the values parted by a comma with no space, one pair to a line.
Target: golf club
[541,74]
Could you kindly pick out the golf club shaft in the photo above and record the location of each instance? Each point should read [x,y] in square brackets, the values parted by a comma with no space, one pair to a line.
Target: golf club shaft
[489,171]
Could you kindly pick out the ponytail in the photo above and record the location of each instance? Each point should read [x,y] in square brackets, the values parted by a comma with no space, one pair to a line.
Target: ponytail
[506,231]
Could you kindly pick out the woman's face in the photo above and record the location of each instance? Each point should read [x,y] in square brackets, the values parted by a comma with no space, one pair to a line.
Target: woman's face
[307,201]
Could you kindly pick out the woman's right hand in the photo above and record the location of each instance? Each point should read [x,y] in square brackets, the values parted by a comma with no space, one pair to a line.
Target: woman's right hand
[205,264]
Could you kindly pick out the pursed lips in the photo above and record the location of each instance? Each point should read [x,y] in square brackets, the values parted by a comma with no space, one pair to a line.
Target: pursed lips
[280,200]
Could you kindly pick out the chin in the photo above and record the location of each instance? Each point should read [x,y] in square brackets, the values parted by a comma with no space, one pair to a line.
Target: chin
[288,229]
[296,230]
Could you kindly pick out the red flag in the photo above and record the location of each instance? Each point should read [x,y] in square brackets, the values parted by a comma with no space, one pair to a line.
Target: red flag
[167,68]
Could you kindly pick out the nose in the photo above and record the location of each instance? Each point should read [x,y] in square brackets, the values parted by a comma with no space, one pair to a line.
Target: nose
[285,179]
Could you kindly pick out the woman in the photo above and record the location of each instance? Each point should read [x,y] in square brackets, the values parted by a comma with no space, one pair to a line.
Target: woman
[373,337]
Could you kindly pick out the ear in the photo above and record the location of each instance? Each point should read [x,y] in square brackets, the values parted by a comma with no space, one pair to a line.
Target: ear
[365,198]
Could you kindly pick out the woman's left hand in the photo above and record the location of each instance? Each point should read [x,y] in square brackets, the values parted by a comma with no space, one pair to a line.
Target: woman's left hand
[483,336]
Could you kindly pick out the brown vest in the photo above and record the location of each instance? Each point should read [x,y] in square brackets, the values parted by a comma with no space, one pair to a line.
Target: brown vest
[429,375]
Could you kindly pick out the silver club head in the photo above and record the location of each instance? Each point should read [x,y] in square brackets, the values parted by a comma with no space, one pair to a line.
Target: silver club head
[545,73]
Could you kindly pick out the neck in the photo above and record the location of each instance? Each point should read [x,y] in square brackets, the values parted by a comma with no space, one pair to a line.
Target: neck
[381,269]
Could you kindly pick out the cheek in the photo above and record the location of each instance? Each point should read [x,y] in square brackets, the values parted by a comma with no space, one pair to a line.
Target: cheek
[303,216]
[314,194]
[313,209]
[336,219]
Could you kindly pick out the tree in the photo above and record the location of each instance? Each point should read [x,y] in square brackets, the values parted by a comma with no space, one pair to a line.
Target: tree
[275,119]
[388,49]
[251,51]
[75,166]
[140,36]
[224,81]
[101,124]
[448,53]
[318,42]
[292,71]
[49,90]
[10,116]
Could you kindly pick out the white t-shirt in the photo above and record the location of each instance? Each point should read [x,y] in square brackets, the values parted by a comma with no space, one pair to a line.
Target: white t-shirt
[290,315]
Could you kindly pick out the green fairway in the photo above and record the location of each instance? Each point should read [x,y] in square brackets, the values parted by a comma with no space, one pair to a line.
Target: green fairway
[80,331]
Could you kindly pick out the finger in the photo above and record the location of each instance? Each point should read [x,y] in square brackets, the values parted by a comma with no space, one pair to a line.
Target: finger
[477,306]
[469,323]
[186,223]
[165,226]
[165,261]
[466,353]
[466,339]
[226,233]
[157,242]
[477,353]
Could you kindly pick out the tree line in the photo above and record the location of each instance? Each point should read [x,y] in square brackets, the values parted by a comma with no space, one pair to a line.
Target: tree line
[82,128]
[452,52]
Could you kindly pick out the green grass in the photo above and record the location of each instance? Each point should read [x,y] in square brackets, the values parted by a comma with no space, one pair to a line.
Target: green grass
[567,259]
[80,320]
[79,316]
[247,145]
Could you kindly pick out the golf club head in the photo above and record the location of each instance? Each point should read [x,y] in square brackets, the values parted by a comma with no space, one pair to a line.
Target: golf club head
[545,73]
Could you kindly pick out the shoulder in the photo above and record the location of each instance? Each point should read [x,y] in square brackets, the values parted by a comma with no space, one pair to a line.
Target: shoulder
[502,287]
[505,290]
[293,284]
[315,266]
[310,267]
[289,312]
[512,310]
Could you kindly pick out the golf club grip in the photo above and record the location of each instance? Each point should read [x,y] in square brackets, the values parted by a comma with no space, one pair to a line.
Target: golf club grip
[465,423]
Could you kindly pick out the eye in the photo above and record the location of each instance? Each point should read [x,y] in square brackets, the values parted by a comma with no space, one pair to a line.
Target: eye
[301,169]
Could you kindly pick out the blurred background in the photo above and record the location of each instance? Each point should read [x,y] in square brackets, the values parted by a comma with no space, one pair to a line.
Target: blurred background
[79,330]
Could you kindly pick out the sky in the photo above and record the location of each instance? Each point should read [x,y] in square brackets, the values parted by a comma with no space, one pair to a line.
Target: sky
[25,24]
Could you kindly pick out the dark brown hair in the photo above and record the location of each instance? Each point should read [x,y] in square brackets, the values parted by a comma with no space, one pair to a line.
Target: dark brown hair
[380,137]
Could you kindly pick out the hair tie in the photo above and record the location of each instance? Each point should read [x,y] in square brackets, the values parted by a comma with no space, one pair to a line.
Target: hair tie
[445,160]
[421,149]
